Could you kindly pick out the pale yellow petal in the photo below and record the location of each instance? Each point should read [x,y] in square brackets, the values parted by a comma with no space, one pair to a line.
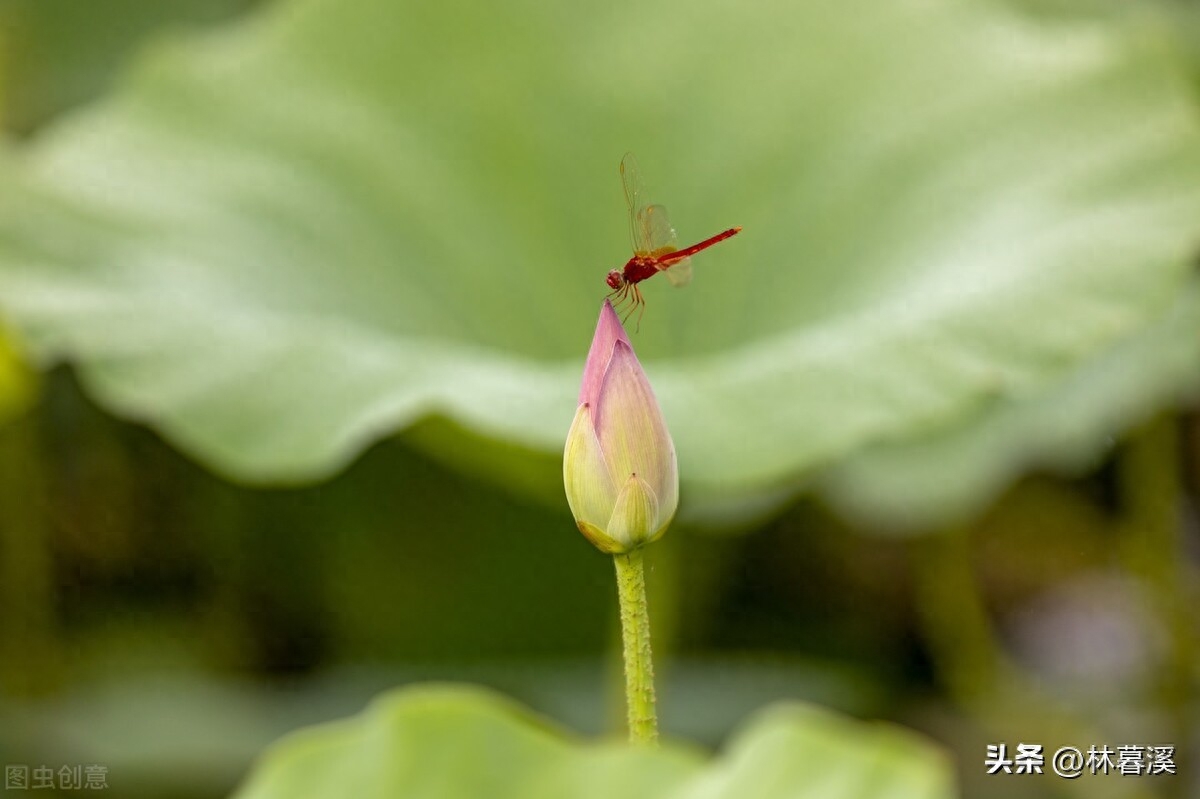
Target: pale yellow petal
[667,491]
[599,538]
[635,518]
[590,490]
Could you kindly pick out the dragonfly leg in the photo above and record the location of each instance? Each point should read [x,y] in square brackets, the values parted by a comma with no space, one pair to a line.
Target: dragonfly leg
[621,295]
[638,304]
[632,296]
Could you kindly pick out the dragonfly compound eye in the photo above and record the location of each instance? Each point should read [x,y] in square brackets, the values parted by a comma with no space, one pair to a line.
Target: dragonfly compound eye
[614,280]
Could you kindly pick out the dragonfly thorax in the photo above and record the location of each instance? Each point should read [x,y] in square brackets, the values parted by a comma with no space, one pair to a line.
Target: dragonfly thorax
[638,268]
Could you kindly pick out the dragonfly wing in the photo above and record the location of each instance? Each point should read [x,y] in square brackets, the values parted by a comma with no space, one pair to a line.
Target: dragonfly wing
[658,233]
[656,230]
[679,273]
[631,179]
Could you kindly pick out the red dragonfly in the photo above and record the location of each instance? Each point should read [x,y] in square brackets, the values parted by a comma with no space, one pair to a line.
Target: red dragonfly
[654,247]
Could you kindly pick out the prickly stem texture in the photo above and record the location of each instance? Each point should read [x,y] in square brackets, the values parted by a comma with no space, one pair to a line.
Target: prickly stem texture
[635,633]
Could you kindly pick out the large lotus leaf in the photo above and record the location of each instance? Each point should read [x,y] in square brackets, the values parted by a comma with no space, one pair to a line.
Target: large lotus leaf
[936,480]
[460,742]
[57,53]
[282,242]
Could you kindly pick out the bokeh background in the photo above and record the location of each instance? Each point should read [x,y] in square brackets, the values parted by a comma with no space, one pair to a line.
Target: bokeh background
[296,295]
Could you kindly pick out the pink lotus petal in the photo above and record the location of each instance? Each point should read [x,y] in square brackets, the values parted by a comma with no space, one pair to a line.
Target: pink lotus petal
[630,426]
[608,332]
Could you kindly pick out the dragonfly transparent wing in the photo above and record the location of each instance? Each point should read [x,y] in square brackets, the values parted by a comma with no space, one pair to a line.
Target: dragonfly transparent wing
[660,236]
[631,178]
[679,273]
[650,228]
[656,230]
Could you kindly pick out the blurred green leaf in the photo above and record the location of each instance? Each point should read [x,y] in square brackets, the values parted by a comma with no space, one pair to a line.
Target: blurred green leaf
[941,478]
[57,53]
[279,244]
[451,742]
[128,717]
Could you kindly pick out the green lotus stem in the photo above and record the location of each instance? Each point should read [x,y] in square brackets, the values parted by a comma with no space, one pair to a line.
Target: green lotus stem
[635,634]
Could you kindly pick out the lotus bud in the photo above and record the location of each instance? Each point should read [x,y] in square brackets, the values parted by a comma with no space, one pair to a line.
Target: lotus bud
[619,466]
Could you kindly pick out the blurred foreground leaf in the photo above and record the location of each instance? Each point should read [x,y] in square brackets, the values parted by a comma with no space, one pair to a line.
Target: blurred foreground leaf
[461,742]
[130,722]
[281,243]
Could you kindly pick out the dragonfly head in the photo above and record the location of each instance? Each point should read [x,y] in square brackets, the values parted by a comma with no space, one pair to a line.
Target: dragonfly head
[615,280]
